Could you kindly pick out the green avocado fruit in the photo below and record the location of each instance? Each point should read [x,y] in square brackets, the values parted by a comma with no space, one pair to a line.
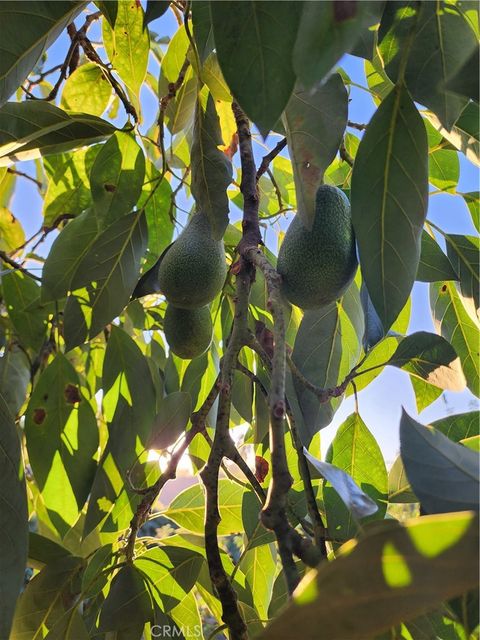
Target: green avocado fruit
[317,265]
[188,331]
[193,270]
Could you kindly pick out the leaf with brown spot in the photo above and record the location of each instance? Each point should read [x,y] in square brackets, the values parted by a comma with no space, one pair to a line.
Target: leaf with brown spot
[72,395]
[39,415]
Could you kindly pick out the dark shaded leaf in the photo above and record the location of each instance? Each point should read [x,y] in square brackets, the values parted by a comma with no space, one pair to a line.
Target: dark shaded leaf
[465,81]
[211,169]
[315,122]
[328,30]
[443,475]
[389,202]
[42,550]
[455,324]
[463,252]
[171,420]
[399,489]
[28,29]
[34,128]
[373,325]
[62,438]
[438,29]
[14,378]
[434,264]
[109,9]
[202,28]
[257,62]
[112,262]
[127,602]
[66,253]
[13,519]
[116,178]
[473,203]
[155,9]
[392,575]
[19,291]
[431,358]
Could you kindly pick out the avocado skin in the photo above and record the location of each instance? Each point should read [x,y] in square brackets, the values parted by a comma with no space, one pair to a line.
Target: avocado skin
[193,270]
[188,331]
[318,265]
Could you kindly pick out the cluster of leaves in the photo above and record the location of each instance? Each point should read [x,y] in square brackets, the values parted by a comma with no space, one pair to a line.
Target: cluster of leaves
[88,386]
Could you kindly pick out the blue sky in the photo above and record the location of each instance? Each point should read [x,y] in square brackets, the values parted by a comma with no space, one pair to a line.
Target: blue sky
[381,402]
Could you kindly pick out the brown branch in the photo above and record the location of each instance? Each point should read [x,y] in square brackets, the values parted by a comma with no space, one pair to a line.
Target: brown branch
[224,446]
[276,189]
[356,125]
[344,155]
[13,263]
[251,231]
[266,160]
[25,175]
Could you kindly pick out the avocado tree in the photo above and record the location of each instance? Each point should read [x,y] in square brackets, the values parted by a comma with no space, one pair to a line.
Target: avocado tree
[149,314]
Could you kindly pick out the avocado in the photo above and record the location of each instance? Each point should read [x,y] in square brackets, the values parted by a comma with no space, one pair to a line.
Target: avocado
[193,270]
[188,331]
[317,265]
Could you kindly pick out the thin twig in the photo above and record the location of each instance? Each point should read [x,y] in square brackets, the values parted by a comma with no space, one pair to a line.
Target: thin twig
[24,175]
[357,125]
[266,160]
[13,263]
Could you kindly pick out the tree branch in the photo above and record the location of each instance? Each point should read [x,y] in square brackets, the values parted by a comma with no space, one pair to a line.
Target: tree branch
[266,160]
[13,263]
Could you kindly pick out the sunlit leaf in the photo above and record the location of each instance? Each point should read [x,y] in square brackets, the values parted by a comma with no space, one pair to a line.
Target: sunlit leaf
[87,90]
[13,519]
[11,231]
[127,47]
[473,203]
[399,489]
[444,169]
[257,63]
[19,291]
[444,475]
[464,134]
[62,438]
[314,122]
[455,324]
[389,202]
[463,252]
[459,426]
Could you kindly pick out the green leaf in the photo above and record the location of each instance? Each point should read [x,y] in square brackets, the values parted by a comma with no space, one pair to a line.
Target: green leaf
[326,348]
[464,134]
[28,29]
[254,43]
[211,169]
[34,128]
[87,90]
[431,358]
[463,252]
[171,573]
[425,393]
[127,603]
[19,291]
[13,519]
[62,439]
[41,605]
[11,231]
[66,253]
[465,81]
[171,420]
[389,202]
[68,192]
[354,451]
[443,475]
[188,508]
[14,378]
[109,9]
[155,9]
[259,567]
[438,29]
[459,426]
[43,551]
[434,264]
[392,575]
[202,28]
[156,201]
[327,31]
[399,489]
[444,169]
[453,322]
[112,263]
[129,406]
[116,178]
[472,200]
[315,122]
[127,46]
